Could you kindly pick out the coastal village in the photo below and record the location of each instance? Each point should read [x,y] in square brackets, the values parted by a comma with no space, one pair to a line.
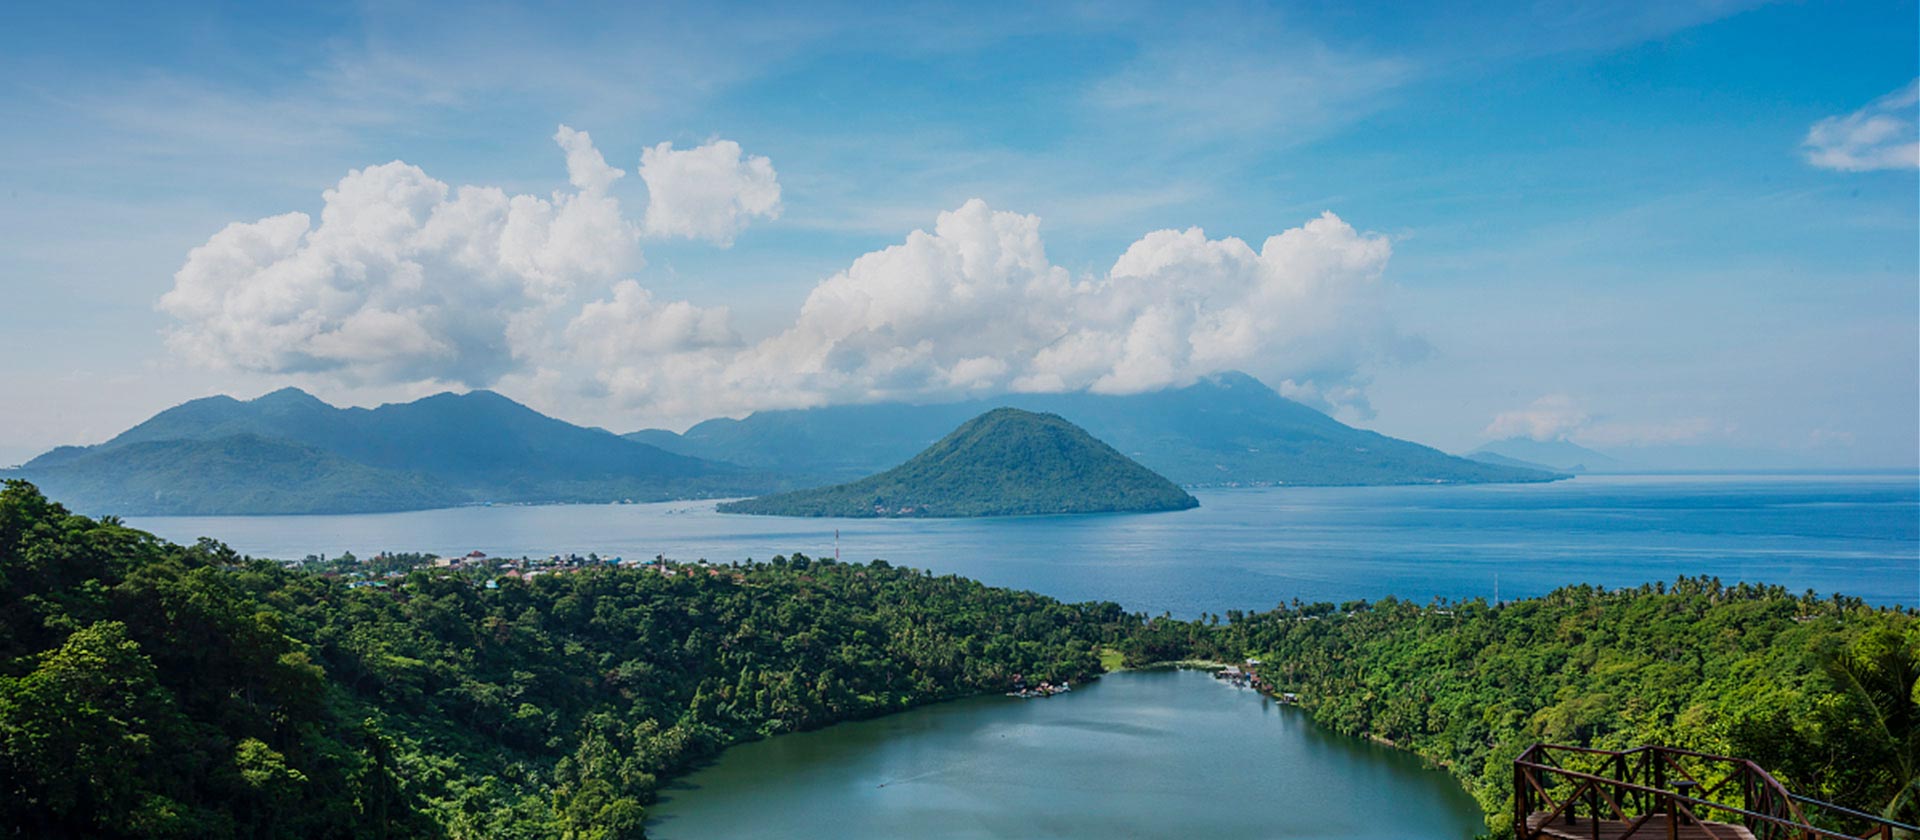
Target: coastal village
[1246,675]
[385,570]
[1043,689]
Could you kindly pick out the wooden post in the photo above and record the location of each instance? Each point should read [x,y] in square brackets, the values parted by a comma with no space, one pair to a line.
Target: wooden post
[1593,808]
[1620,774]
[1521,804]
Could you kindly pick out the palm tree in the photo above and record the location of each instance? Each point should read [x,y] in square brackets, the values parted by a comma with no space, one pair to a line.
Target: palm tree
[1881,670]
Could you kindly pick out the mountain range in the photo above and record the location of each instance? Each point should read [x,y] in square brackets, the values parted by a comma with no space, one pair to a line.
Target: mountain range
[1226,430]
[289,452]
[1006,462]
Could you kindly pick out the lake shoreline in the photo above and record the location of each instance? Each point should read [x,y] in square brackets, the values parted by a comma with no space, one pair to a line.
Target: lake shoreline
[1173,753]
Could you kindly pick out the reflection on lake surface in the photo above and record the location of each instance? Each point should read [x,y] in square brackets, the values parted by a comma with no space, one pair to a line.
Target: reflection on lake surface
[1136,754]
[1244,549]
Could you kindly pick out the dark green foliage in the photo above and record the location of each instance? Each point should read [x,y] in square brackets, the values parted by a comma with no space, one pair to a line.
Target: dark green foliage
[1223,430]
[1006,462]
[150,690]
[1819,691]
[288,452]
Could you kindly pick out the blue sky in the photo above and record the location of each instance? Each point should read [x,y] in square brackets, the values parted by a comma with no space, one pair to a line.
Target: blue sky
[1598,221]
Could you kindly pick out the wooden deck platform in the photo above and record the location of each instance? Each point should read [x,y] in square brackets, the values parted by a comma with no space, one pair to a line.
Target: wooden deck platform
[1654,829]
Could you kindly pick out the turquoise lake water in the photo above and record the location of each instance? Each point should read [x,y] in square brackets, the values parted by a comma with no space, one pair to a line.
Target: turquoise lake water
[1135,754]
[1245,549]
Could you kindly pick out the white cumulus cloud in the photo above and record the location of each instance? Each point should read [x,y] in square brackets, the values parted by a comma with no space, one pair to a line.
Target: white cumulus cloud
[1883,135]
[406,282]
[975,306]
[1551,417]
[1561,417]
[403,278]
[707,192]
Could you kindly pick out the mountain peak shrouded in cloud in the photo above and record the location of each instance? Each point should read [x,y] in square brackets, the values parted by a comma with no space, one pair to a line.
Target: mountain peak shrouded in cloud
[1548,418]
[1555,420]
[974,306]
[407,281]
[1228,429]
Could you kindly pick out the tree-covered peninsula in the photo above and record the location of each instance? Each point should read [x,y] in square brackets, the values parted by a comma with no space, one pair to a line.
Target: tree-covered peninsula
[156,690]
[1006,462]
[1823,692]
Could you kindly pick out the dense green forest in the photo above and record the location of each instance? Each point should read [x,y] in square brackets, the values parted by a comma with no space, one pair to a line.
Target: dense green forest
[155,690]
[1822,692]
[1006,462]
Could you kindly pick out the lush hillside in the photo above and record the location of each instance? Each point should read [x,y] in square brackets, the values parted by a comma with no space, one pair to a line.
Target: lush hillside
[1006,462]
[1822,692]
[288,452]
[1225,430]
[155,690]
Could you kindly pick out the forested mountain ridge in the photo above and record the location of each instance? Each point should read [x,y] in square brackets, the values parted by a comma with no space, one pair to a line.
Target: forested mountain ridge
[1006,462]
[288,452]
[1227,429]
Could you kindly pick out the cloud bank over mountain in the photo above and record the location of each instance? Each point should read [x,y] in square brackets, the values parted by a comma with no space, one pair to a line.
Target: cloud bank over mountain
[1556,417]
[407,280]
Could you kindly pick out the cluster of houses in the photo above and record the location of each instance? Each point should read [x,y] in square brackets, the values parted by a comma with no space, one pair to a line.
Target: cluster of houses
[1246,675]
[1044,689]
[495,569]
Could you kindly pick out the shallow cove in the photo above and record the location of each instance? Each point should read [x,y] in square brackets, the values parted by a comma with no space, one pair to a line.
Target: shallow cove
[1136,754]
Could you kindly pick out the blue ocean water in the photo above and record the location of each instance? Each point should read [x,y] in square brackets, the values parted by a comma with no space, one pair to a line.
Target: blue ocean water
[1245,549]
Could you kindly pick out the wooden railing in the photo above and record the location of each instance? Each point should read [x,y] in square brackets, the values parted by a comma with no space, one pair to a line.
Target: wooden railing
[1628,789]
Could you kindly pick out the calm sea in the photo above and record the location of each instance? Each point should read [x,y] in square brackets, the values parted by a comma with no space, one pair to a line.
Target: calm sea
[1244,549]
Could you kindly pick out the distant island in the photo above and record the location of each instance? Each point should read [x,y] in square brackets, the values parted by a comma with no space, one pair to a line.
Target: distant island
[1560,455]
[1006,462]
[1226,430]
